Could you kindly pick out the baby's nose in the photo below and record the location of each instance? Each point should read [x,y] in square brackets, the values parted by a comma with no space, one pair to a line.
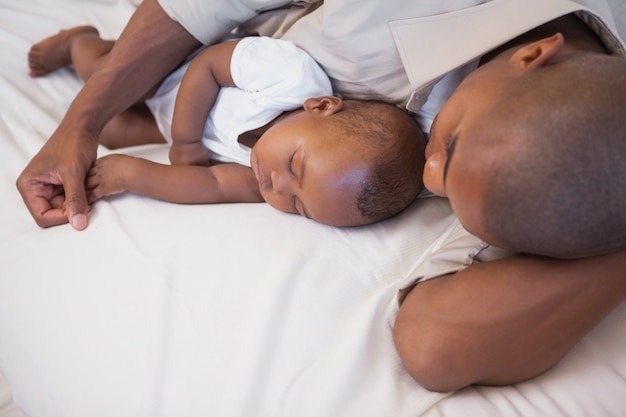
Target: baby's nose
[280,183]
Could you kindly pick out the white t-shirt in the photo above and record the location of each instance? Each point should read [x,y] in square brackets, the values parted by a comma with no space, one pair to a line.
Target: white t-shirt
[272,76]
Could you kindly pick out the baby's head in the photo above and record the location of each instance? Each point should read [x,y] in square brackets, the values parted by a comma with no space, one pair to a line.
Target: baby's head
[393,145]
[342,163]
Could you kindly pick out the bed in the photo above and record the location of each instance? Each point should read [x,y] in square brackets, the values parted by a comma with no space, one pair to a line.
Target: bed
[160,309]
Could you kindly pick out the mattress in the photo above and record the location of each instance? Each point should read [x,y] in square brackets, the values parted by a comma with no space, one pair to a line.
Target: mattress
[158,309]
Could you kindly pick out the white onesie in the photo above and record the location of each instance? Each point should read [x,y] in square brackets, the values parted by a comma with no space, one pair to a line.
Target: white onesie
[271,75]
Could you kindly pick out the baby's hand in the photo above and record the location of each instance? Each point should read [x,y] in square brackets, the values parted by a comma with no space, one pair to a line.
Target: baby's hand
[106,176]
[189,154]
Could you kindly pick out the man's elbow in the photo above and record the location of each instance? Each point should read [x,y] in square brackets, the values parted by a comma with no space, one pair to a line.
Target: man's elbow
[428,359]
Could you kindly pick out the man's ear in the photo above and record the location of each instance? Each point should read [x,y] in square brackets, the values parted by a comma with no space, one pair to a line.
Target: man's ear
[539,53]
[324,106]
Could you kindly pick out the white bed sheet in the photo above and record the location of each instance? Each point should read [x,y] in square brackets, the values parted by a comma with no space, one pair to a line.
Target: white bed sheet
[165,310]
[227,310]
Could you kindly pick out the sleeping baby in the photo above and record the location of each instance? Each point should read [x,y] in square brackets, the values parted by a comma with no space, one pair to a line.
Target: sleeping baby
[252,120]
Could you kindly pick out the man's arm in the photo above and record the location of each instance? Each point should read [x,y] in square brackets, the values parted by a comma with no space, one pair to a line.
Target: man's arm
[150,47]
[505,321]
[52,184]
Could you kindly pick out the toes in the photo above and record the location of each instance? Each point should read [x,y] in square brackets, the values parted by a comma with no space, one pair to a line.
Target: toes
[36,69]
[53,52]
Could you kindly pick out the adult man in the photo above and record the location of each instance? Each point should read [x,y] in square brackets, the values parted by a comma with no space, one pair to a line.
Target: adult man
[505,340]
[504,116]
[542,115]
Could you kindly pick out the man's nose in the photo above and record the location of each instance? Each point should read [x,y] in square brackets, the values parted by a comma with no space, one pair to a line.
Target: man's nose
[433,174]
[432,147]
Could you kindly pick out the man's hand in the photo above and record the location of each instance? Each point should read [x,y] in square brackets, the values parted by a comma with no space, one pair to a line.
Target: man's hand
[53,184]
[149,48]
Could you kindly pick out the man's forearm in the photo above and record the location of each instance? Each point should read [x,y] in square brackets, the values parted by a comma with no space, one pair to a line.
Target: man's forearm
[505,321]
[150,47]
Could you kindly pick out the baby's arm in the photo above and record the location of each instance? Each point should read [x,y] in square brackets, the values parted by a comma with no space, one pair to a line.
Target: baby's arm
[207,73]
[223,183]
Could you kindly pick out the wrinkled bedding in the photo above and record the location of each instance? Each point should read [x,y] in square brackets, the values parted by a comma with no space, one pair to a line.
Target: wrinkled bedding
[160,309]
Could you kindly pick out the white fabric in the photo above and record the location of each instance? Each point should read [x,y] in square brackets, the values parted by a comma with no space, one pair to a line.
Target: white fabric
[502,20]
[7,406]
[160,309]
[225,310]
[271,75]
[351,42]
[209,21]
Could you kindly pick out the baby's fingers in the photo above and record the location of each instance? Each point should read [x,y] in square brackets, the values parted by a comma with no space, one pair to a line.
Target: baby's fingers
[92,178]
[94,194]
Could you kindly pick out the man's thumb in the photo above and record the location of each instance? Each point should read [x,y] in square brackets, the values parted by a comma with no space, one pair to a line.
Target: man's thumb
[77,210]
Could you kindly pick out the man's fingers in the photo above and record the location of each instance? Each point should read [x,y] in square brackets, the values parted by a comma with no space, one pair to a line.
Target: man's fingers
[39,198]
[76,203]
[52,217]
[44,214]
[79,221]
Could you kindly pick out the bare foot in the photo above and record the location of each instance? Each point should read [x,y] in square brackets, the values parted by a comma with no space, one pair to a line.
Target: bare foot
[54,52]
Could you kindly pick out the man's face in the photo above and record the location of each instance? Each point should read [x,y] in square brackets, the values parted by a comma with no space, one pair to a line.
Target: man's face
[455,168]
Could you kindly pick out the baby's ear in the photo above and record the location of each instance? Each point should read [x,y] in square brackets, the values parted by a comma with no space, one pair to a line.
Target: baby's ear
[538,53]
[325,105]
